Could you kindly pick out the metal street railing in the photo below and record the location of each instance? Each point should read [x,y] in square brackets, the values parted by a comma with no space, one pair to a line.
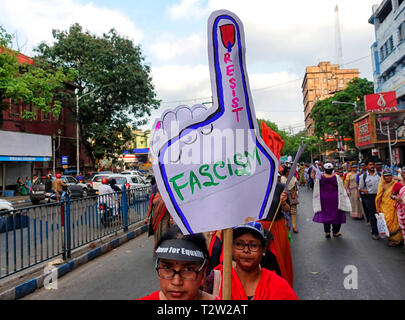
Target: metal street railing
[35,234]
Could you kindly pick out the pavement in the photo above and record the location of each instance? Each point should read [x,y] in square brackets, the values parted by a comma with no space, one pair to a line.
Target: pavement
[35,278]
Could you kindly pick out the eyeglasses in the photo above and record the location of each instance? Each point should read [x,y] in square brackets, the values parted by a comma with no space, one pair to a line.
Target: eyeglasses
[184,274]
[253,246]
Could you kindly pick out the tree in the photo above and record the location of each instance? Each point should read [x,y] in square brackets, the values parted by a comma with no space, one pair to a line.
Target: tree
[337,119]
[113,67]
[35,85]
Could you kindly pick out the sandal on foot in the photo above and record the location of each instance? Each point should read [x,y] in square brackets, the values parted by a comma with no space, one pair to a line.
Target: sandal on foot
[337,234]
[327,235]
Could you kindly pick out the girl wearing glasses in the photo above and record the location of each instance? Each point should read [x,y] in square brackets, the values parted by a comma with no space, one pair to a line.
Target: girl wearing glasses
[181,264]
[249,280]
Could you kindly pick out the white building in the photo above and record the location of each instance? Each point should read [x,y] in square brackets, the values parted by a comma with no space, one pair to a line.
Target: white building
[388,50]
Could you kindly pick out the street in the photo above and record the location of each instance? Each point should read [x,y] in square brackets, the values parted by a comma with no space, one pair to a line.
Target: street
[324,269]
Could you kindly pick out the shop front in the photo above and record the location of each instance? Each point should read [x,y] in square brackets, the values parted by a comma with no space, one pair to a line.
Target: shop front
[378,133]
[18,153]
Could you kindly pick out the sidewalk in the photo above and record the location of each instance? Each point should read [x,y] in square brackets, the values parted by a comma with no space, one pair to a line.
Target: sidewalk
[17,199]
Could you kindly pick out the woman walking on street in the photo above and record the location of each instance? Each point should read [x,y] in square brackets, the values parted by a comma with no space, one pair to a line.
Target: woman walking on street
[352,188]
[385,204]
[330,202]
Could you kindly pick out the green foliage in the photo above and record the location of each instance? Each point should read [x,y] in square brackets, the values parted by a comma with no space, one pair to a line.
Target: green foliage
[114,67]
[292,141]
[337,119]
[35,85]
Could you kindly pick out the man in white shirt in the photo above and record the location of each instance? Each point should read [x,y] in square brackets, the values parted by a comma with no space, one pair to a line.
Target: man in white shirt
[368,186]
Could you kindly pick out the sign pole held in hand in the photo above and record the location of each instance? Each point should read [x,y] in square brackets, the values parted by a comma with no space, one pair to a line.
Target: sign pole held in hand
[212,168]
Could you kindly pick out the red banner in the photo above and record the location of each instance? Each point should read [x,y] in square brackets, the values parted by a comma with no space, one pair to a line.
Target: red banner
[382,101]
[363,132]
[273,140]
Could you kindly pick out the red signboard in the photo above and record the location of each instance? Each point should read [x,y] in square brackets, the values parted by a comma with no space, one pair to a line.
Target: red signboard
[382,101]
[363,132]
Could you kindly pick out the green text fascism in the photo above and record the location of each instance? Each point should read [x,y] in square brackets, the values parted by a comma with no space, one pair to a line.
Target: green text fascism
[211,175]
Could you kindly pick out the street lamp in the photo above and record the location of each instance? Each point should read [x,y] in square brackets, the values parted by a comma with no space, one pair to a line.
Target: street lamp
[77,126]
[352,103]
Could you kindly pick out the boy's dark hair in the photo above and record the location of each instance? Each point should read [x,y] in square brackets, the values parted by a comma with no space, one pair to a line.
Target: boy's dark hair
[174,232]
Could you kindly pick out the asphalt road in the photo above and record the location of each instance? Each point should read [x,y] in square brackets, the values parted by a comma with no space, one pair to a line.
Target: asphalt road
[373,270]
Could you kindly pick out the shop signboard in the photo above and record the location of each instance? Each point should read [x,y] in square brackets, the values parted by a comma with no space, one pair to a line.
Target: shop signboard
[363,132]
[382,101]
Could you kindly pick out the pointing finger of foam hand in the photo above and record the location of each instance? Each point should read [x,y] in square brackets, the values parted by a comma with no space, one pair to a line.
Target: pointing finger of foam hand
[229,80]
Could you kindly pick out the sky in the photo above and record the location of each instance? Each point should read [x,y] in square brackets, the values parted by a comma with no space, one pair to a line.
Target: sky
[282,39]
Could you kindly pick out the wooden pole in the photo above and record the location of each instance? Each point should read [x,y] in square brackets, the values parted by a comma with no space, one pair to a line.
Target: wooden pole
[275,213]
[227,274]
[274,217]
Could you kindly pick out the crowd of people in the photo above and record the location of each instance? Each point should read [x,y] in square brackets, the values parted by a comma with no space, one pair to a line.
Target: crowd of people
[262,262]
[363,189]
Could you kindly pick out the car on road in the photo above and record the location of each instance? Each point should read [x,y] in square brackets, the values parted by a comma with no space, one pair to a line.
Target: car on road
[5,206]
[132,173]
[97,180]
[41,189]
[129,181]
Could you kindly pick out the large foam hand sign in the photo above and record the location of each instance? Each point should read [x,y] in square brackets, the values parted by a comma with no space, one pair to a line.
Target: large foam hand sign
[212,168]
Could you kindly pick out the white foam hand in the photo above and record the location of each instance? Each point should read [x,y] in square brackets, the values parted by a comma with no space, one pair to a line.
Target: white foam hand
[212,168]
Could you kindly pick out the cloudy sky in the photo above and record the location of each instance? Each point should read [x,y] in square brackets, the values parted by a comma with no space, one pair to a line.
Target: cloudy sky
[282,38]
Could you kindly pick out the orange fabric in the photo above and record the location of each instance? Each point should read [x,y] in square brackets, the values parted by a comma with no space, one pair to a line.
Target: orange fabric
[282,248]
[270,287]
[159,210]
[273,140]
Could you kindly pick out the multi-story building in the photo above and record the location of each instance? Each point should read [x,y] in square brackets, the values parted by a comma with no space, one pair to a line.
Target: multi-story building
[29,147]
[388,50]
[320,82]
[137,152]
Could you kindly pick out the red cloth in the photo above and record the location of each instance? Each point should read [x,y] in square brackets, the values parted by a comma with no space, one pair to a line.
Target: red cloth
[216,240]
[280,247]
[152,296]
[273,140]
[397,187]
[270,287]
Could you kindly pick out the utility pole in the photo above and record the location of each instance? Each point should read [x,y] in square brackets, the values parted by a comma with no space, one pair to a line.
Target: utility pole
[77,128]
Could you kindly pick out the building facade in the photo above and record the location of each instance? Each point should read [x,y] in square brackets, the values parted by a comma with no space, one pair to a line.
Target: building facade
[388,50]
[36,147]
[320,82]
[378,132]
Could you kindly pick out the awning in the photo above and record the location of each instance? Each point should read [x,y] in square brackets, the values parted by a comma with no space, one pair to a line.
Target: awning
[21,146]
[13,158]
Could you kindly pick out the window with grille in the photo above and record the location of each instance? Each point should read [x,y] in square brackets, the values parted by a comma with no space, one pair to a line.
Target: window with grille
[15,109]
[401,32]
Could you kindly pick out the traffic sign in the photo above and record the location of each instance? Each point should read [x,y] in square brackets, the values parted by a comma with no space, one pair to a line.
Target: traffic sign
[64,159]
